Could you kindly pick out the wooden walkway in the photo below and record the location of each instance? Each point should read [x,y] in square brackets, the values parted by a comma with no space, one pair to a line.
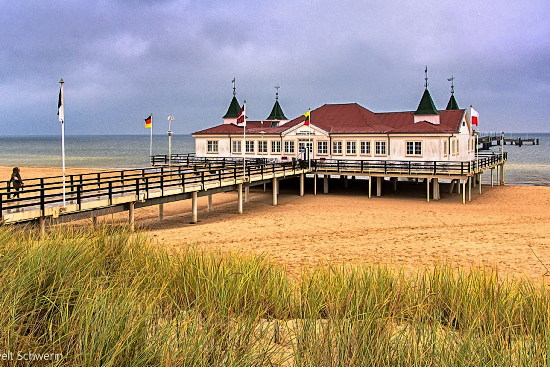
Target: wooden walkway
[100,193]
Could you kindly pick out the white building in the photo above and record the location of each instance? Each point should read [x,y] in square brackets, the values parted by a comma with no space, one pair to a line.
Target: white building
[346,131]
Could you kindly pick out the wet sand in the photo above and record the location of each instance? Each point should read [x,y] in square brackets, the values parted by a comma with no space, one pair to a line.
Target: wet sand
[506,226]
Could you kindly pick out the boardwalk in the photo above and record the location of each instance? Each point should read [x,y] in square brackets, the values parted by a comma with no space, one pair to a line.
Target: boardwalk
[100,193]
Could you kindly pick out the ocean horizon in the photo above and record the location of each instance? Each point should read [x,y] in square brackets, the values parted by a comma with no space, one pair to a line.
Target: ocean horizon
[526,165]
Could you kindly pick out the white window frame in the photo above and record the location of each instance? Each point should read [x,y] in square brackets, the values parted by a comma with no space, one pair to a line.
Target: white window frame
[212,146]
[378,145]
[249,144]
[351,147]
[337,147]
[236,146]
[365,148]
[289,147]
[276,146]
[322,147]
[262,146]
[416,148]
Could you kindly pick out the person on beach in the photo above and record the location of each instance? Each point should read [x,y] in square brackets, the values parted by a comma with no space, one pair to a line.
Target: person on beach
[16,181]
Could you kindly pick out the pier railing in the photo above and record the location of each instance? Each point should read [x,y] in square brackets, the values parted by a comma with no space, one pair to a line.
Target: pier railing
[47,192]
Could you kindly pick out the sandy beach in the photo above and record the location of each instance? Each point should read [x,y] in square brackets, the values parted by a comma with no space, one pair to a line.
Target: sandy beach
[505,226]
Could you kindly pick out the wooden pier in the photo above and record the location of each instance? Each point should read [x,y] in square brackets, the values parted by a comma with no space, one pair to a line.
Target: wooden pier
[488,141]
[188,177]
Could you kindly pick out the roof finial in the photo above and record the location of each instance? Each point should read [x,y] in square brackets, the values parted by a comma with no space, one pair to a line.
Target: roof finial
[426,77]
[452,80]
[277,93]
[234,88]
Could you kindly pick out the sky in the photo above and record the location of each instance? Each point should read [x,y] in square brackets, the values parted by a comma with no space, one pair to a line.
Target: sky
[124,59]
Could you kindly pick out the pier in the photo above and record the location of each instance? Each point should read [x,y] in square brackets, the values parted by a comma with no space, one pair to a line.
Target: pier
[185,177]
[487,141]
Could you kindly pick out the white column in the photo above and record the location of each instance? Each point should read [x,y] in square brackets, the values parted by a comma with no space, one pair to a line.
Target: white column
[209,204]
[428,189]
[379,186]
[463,191]
[370,187]
[275,190]
[302,179]
[470,188]
[479,177]
[194,207]
[492,182]
[240,198]
[246,193]
[315,184]
[325,184]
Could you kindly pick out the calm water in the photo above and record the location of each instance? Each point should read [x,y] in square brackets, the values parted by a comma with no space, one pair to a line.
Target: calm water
[527,165]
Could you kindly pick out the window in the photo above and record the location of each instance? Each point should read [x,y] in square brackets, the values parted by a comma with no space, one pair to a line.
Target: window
[212,146]
[289,147]
[249,146]
[380,148]
[445,148]
[275,146]
[262,146]
[351,147]
[322,147]
[236,146]
[365,147]
[336,147]
[414,148]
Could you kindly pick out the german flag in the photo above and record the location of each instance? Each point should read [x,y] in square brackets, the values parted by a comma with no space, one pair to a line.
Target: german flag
[149,122]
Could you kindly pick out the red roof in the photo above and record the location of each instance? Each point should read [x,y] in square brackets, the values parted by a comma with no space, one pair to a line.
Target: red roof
[351,119]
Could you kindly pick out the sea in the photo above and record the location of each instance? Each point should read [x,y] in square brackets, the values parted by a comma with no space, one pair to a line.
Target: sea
[527,165]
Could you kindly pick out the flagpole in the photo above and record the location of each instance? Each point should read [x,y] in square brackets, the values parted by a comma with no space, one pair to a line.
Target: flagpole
[151,139]
[61,113]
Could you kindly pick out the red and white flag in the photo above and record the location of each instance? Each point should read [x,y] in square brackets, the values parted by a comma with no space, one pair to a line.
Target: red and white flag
[241,115]
[475,116]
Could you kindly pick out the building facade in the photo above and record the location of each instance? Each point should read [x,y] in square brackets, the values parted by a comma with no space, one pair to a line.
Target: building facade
[345,131]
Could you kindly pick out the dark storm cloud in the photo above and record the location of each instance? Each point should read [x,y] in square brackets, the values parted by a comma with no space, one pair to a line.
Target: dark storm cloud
[122,60]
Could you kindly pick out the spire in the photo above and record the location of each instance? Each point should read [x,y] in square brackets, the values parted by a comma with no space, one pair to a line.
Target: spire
[426,105]
[277,113]
[452,105]
[234,106]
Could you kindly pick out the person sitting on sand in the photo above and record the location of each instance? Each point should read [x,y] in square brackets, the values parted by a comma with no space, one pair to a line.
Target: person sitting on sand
[16,181]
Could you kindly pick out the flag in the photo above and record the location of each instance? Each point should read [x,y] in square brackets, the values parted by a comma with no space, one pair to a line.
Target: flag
[149,122]
[308,117]
[475,116]
[60,104]
[241,116]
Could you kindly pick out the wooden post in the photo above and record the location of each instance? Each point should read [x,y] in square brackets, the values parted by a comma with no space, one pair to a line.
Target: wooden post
[346,184]
[479,177]
[161,212]
[315,184]
[379,186]
[42,225]
[246,193]
[370,187]
[265,187]
[463,191]
[240,198]
[194,207]
[434,189]
[451,186]
[302,179]
[428,189]
[209,203]
[131,217]
[325,184]
[502,174]
[94,221]
[394,181]
[492,182]
[470,188]
[275,190]
[498,174]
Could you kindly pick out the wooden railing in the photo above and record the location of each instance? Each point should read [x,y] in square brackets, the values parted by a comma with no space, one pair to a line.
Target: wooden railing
[48,192]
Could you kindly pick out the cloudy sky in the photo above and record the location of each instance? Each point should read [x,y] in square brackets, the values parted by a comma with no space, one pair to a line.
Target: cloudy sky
[123,59]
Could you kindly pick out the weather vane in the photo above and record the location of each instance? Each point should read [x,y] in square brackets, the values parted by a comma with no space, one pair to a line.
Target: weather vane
[234,88]
[277,93]
[452,80]
[426,77]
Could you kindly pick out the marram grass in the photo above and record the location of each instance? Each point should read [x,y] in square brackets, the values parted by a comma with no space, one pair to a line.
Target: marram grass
[107,297]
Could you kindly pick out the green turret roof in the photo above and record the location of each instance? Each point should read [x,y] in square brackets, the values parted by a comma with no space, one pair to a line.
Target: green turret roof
[233,109]
[277,113]
[426,105]
[452,105]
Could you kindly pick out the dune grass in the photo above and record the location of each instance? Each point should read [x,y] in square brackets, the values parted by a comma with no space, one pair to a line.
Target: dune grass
[108,297]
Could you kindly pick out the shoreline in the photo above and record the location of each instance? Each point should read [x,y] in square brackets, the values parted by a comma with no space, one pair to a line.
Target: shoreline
[503,227]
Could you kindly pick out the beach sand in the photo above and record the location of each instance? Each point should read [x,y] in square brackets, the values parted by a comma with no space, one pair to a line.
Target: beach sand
[506,226]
